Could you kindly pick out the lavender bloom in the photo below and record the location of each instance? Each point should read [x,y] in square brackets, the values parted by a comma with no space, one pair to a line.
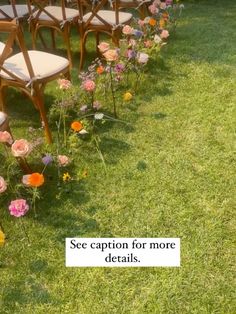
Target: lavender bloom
[119,68]
[137,33]
[47,159]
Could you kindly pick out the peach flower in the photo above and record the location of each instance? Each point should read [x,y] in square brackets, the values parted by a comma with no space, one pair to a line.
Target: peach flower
[103,46]
[21,148]
[63,160]
[5,137]
[64,84]
[3,185]
[127,30]
[111,55]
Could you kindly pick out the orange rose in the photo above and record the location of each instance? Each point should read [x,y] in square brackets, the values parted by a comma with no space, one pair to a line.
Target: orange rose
[76,126]
[152,22]
[100,69]
[36,179]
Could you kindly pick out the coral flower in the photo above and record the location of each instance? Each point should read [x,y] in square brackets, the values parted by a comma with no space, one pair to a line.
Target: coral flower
[2,238]
[36,179]
[152,22]
[76,126]
[100,69]
[127,96]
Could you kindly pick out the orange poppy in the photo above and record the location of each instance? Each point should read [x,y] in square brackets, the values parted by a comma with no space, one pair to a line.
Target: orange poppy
[36,179]
[100,69]
[76,126]
[152,22]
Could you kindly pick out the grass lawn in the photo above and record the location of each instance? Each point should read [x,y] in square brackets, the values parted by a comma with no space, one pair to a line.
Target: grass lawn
[170,173]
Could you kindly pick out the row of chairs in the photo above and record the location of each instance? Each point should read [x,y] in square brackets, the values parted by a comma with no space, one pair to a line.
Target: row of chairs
[97,16]
[31,70]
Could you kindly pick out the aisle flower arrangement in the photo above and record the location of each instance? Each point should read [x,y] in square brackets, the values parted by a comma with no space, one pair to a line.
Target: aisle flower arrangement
[79,111]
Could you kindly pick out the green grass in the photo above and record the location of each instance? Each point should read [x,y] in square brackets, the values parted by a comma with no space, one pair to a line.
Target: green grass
[170,173]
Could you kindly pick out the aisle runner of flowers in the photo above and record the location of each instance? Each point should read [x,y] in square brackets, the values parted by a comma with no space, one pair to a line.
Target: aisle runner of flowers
[110,81]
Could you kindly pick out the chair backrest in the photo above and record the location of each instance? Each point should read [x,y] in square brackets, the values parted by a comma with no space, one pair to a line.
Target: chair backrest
[93,6]
[5,12]
[14,34]
[41,5]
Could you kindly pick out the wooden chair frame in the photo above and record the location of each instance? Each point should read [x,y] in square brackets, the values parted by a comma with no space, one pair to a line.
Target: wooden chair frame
[33,88]
[14,9]
[87,27]
[63,26]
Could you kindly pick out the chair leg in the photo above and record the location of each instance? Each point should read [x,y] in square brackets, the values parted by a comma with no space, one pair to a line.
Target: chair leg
[82,50]
[66,35]
[53,39]
[97,42]
[2,98]
[38,99]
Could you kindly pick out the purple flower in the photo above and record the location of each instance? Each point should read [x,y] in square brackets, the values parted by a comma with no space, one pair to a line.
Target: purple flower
[138,33]
[131,54]
[18,207]
[119,67]
[47,159]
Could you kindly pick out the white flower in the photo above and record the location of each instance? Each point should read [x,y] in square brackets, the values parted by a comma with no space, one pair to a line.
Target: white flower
[83,131]
[157,39]
[181,6]
[98,116]
[143,58]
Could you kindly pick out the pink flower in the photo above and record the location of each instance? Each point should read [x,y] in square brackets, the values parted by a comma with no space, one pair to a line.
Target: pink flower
[127,30]
[21,148]
[169,2]
[3,185]
[5,137]
[164,34]
[63,160]
[143,58]
[103,46]
[141,23]
[25,179]
[64,84]
[132,42]
[111,55]
[18,207]
[153,9]
[89,85]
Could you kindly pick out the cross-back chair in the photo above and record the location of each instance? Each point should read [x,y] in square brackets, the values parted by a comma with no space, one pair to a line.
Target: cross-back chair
[99,17]
[29,71]
[15,10]
[139,5]
[58,17]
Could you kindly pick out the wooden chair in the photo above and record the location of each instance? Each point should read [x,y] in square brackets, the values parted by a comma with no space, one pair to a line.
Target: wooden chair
[99,19]
[13,10]
[29,71]
[57,18]
[139,5]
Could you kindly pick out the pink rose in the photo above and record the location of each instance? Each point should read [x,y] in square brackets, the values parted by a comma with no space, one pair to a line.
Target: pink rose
[89,85]
[127,30]
[3,185]
[18,208]
[5,137]
[164,34]
[143,58]
[153,9]
[63,160]
[103,46]
[111,55]
[21,148]
[64,84]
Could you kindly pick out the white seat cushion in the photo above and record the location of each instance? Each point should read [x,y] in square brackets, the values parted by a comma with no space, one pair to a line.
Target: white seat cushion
[44,65]
[109,16]
[57,13]
[21,9]
[2,46]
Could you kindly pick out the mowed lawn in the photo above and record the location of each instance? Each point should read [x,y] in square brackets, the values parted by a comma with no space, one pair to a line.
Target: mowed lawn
[170,173]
